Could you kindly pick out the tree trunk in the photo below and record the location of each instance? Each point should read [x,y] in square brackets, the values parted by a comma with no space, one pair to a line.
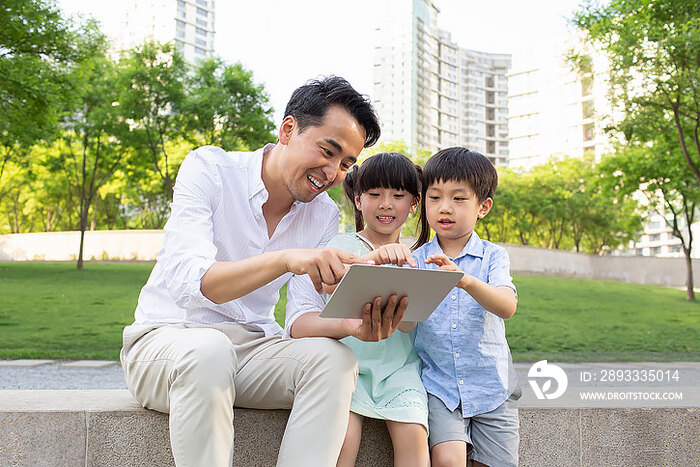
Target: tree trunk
[83,226]
[690,290]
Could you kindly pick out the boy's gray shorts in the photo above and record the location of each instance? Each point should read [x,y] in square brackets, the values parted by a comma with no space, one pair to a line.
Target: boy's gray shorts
[492,438]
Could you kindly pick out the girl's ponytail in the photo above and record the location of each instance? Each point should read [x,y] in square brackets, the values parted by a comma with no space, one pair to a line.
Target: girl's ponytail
[423,226]
[350,184]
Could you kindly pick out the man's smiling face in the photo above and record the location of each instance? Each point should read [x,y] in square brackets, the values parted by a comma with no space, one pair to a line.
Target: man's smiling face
[319,157]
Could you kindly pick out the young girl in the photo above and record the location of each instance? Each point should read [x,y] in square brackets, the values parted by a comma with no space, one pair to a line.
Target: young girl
[384,191]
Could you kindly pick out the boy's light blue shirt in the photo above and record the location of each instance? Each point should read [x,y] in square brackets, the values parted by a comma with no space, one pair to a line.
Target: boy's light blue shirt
[466,359]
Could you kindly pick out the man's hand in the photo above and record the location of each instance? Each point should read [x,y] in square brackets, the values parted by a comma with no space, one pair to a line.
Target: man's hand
[392,253]
[377,324]
[323,265]
[444,263]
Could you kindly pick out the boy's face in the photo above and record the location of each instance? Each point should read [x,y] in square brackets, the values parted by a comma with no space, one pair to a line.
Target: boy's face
[319,157]
[452,210]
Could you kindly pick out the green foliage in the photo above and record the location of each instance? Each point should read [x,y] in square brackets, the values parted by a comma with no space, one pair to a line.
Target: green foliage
[152,93]
[225,108]
[653,49]
[560,204]
[90,142]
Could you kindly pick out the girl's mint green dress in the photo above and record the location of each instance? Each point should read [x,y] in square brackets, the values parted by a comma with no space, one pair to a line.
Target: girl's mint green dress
[388,383]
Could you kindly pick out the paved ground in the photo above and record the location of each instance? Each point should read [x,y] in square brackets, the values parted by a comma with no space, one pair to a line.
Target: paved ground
[92,374]
[87,374]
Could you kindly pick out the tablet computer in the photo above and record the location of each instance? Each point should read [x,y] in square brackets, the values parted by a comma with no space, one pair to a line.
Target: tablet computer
[425,289]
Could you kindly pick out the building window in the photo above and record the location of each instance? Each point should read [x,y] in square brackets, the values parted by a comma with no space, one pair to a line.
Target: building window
[589,132]
[655,250]
[587,109]
[201,12]
[202,2]
[201,32]
[674,249]
[181,13]
[201,42]
[639,252]
[201,22]
[181,3]
[180,33]
[654,237]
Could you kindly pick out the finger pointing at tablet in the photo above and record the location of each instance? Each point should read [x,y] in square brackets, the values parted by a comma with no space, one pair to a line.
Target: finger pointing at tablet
[323,265]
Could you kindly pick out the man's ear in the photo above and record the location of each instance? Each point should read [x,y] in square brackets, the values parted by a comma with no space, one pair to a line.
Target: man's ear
[485,207]
[289,124]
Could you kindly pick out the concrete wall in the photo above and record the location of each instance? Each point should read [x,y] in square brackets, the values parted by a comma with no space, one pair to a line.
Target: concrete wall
[108,428]
[144,244]
[670,272]
[99,245]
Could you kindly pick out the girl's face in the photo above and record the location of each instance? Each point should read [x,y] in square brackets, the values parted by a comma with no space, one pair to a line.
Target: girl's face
[385,209]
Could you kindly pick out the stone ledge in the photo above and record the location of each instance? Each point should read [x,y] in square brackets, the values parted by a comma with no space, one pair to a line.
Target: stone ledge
[108,428]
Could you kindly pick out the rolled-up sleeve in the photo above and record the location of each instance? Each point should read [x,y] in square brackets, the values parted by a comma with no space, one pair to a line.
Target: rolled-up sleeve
[302,296]
[188,247]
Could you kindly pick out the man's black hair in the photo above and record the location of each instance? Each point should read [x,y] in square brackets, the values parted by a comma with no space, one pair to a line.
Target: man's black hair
[461,165]
[310,102]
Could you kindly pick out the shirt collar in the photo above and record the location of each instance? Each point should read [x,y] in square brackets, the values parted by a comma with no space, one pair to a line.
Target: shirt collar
[474,247]
[255,183]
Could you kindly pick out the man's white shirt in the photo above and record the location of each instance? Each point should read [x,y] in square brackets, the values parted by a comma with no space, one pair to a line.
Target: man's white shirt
[217,216]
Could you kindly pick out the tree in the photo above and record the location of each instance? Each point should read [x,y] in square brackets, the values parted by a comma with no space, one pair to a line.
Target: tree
[660,174]
[225,108]
[653,48]
[89,149]
[152,92]
[35,46]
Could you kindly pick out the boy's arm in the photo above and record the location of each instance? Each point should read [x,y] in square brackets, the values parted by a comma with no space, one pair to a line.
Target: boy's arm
[501,301]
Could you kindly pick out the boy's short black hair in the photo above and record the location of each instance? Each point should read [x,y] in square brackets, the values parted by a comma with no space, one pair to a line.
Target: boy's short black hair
[310,102]
[462,165]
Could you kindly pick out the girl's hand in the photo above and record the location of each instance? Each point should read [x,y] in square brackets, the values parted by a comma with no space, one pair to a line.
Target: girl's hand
[393,253]
[446,264]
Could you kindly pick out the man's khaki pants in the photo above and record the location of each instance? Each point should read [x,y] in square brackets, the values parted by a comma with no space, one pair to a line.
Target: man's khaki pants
[197,373]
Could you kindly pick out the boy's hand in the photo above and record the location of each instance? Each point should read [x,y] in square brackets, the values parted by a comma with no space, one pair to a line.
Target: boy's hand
[446,264]
[393,253]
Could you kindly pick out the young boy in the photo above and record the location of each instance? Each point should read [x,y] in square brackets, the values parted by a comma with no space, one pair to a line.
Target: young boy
[467,366]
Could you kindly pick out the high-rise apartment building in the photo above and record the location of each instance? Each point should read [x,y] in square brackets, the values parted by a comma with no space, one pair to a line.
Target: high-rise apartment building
[189,23]
[431,93]
[555,111]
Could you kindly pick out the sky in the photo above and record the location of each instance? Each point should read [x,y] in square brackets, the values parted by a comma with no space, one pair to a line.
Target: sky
[285,43]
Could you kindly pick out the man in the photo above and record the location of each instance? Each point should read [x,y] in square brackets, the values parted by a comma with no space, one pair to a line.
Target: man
[204,338]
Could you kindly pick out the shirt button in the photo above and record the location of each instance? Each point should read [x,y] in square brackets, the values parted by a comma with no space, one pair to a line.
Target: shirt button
[454,297]
[456,355]
[461,381]
[454,326]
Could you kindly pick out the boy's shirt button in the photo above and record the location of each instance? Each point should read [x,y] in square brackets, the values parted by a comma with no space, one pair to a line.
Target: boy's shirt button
[456,355]
[454,326]
[461,381]
[454,297]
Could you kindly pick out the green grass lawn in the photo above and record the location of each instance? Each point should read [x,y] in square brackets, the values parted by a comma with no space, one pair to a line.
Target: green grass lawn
[53,310]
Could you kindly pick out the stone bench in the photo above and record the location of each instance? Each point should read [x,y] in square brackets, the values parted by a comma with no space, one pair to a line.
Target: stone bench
[108,428]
